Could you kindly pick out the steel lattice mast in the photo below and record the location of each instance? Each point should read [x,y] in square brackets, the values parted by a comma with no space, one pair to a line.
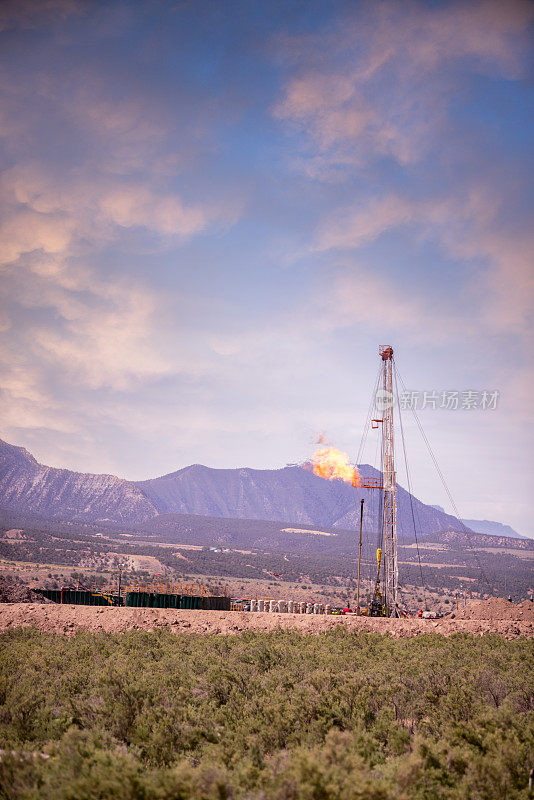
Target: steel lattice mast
[389,516]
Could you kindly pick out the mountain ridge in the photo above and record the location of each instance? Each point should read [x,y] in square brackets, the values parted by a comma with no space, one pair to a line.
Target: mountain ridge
[287,494]
[492,528]
[27,486]
[489,527]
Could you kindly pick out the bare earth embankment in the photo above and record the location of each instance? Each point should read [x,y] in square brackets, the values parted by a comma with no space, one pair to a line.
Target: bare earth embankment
[479,617]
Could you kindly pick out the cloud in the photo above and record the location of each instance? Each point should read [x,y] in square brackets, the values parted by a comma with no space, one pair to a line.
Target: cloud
[109,342]
[43,211]
[32,14]
[102,325]
[358,298]
[100,333]
[131,206]
[96,327]
[95,158]
[380,85]
[23,231]
[357,225]
[129,135]
[467,226]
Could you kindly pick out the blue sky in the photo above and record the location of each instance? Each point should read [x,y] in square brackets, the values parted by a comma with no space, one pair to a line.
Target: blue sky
[213,213]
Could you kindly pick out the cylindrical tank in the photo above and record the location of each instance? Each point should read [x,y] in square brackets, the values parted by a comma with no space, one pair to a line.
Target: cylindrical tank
[253,605]
[282,606]
[272,605]
[316,608]
[261,605]
[309,608]
[303,607]
[290,606]
[328,609]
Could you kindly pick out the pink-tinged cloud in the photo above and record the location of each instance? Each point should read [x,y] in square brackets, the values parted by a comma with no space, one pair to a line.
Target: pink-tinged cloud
[359,297]
[137,206]
[466,226]
[357,225]
[105,329]
[382,82]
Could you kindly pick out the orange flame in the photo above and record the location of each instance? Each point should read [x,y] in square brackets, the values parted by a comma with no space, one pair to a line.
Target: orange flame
[332,464]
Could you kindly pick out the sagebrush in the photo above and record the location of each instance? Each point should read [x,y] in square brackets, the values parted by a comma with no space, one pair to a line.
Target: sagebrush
[264,716]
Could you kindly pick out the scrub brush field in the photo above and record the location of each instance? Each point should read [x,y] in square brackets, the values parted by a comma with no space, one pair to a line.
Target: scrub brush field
[276,715]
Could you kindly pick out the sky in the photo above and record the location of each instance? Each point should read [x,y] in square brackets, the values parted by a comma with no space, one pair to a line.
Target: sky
[213,213]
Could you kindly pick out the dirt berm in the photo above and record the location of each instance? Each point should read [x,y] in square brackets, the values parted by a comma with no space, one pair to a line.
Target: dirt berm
[495,608]
[519,620]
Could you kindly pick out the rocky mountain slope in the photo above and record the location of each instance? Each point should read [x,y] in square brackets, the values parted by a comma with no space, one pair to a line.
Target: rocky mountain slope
[29,487]
[289,494]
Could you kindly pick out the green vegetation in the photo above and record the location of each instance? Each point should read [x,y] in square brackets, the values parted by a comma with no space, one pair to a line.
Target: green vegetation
[269,554]
[277,716]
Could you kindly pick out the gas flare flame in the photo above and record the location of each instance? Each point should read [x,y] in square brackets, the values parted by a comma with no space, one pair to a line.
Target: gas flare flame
[333,465]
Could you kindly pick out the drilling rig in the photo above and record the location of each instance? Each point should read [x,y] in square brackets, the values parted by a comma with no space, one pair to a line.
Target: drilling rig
[386,604]
[389,514]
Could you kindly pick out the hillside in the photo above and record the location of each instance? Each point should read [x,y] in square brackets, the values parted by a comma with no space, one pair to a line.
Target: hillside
[288,494]
[29,487]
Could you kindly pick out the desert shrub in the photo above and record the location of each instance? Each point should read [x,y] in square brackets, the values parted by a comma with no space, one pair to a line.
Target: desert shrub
[277,716]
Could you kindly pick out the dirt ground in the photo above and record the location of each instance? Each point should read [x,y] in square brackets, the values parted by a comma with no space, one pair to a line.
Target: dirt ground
[506,619]
[495,608]
[18,593]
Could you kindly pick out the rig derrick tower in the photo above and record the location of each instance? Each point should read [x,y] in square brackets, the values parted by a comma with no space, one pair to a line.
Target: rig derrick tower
[389,488]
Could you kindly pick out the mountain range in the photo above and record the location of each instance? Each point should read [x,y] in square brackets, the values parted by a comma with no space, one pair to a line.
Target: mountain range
[291,494]
[489,528]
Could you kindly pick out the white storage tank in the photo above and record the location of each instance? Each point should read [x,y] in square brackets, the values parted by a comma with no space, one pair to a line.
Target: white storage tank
[253,605]
[309,608]
[328,609]
[261,605]
[272,606]
[290,606]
